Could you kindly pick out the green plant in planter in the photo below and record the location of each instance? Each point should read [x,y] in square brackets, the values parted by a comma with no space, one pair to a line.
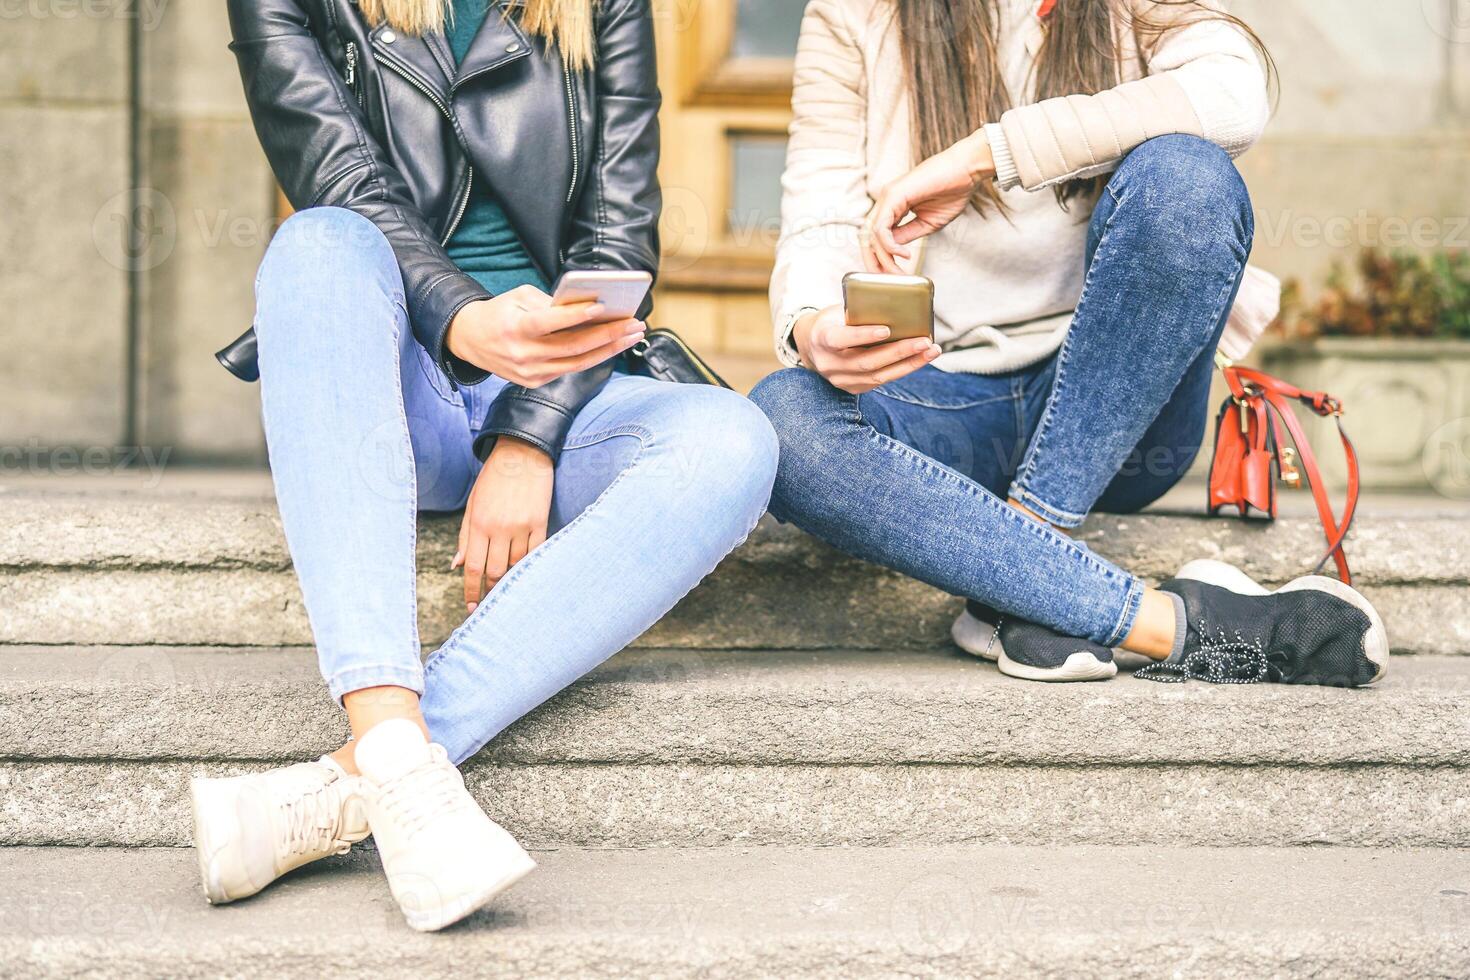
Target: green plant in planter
[1386,294]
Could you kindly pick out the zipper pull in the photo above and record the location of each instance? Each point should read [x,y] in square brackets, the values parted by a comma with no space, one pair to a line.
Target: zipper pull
[351,62]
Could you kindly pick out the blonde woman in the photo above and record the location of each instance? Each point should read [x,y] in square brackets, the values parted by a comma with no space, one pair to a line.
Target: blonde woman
[449,160]
[1069,166]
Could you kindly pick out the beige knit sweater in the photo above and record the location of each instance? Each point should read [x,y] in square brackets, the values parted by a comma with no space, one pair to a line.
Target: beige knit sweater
[1005,288]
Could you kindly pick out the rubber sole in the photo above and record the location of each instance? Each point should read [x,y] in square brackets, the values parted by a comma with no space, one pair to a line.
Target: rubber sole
[1227,576]
[209,807]
[1080,666]
[976,637]
[452,911]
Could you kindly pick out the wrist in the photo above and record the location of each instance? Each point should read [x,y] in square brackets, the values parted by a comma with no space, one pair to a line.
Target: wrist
[979,159]
[801,329]
[515,453]
[454,334]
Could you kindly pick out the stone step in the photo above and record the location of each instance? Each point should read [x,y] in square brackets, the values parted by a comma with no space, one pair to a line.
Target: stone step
[213,570]
[987,911]
[705,748]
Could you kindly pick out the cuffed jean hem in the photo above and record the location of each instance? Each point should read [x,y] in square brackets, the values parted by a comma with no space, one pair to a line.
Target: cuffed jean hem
[1131,603]
[1048,513]
[359,678]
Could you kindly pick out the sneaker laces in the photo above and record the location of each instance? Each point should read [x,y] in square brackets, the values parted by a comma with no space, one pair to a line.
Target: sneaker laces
[312,820]
[1221,659]
[424,792]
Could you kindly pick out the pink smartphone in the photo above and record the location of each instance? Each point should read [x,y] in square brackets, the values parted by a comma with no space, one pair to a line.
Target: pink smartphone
[621,292]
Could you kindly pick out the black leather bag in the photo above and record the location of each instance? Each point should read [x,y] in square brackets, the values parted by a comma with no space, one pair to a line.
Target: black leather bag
[663,354]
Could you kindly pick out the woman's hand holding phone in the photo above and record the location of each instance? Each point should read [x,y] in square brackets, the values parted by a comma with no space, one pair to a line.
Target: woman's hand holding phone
[855,358]
[521,337]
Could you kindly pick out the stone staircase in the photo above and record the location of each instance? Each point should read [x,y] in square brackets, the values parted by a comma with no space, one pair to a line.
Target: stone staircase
[793,774]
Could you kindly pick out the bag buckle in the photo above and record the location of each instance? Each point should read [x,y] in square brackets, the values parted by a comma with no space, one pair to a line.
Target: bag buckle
[1290,475]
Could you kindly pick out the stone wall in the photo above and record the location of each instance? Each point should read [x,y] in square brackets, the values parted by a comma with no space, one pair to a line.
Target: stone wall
[201,157]
[63,239]
[1369,146]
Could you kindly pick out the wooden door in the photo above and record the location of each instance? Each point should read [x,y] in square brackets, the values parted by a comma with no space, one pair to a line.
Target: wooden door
[725,70]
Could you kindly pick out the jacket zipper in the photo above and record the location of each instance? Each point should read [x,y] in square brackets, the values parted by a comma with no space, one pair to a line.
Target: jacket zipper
[352,71]
[428,93]
[464,205]
[464,201]
[571,128]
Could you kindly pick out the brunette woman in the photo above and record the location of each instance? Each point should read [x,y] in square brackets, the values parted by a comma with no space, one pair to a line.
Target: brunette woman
[450,160]
[1087,236]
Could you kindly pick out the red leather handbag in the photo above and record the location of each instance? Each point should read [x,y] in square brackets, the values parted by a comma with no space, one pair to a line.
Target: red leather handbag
[1250,454]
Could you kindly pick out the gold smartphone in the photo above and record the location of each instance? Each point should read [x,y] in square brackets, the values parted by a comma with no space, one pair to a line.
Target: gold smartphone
[903,304]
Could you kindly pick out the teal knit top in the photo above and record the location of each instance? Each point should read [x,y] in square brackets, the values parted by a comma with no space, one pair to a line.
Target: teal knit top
[485,246]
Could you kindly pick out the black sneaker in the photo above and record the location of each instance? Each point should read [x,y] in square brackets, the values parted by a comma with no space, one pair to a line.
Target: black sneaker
[1314,630]
[1035,653]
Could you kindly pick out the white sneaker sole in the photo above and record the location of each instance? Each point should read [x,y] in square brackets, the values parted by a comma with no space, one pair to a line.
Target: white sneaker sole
[1080,666]
[213,807]
[1227,576]
[516,865]
[976,637]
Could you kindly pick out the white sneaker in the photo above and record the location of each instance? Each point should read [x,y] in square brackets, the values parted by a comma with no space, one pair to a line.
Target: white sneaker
[250,830]
[444,858]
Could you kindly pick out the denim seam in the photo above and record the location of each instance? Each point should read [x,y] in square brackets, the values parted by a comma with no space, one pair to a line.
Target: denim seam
[1059,379]
[456,638]
[413,496]
[345,681]
[1061,518]
[1009,513]
[603,435]
[1131,603]
[909,400]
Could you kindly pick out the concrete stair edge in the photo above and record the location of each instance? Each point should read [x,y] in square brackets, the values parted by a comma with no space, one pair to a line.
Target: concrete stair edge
[189,572]
[741,708]
[659,749]
[973,911]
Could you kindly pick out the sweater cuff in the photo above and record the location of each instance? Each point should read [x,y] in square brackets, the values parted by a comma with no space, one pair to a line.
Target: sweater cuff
[1007,175]
[786,351]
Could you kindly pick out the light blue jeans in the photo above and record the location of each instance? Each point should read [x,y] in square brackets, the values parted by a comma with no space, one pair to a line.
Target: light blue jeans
[657,483]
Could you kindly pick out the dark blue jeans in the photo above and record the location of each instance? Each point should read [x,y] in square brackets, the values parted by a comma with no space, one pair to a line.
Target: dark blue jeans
[914,475]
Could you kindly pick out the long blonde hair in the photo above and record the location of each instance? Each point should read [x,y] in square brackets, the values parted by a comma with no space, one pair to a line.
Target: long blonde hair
[565,23]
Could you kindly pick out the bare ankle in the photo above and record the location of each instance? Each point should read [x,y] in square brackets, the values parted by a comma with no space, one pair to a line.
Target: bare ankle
[346,757]
[1154,628]
[1036,517]
[368,707]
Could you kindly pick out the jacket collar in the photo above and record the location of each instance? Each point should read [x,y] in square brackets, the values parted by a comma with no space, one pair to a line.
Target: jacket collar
[429,61]
[499,42]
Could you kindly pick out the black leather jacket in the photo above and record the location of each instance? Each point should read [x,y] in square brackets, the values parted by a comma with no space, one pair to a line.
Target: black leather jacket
[388,126]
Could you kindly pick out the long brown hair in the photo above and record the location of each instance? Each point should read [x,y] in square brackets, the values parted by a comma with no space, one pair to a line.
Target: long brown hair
[954,76]
[564,23]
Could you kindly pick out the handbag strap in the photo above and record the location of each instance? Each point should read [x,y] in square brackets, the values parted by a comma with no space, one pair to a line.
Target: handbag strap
[1247,383]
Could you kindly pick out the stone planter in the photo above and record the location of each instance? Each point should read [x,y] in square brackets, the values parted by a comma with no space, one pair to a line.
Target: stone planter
[1408,408]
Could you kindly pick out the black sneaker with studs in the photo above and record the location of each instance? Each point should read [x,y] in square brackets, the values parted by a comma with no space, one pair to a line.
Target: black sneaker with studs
[1314,630]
